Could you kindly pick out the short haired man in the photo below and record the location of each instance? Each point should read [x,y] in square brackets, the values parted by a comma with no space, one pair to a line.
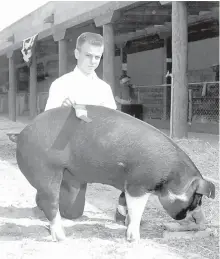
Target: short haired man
[81,86]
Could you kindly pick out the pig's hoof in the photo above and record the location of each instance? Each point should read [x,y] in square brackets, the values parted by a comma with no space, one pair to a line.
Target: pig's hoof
[57,233]
[133,234]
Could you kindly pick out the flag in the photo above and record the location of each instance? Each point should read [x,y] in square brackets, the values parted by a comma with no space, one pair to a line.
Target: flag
[27,47]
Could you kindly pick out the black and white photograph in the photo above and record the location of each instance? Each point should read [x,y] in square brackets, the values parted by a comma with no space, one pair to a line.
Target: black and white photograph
[109,129]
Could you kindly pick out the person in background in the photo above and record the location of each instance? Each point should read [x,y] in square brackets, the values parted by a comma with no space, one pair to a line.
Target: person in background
[127,101]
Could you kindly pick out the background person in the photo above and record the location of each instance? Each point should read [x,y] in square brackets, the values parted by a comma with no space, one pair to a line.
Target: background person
[127,100]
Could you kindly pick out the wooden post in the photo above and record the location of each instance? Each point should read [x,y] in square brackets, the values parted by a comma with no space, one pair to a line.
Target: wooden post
[59,35]
[33,85]
[12,86]
[109,46]
[109,56]
[63,65]
[179,58]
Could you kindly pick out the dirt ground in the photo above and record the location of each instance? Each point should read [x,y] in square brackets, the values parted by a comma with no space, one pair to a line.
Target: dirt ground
[23,232]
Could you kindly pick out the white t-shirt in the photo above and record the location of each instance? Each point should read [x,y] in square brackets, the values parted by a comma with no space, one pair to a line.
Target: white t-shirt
[80,89]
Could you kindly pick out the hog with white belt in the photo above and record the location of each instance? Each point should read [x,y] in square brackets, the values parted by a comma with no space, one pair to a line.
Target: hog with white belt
[59,154]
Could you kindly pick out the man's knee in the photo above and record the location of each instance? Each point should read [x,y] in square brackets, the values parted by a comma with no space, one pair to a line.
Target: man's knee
[72,201]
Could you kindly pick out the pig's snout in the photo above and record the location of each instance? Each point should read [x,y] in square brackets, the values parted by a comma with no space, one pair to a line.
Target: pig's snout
[196,216]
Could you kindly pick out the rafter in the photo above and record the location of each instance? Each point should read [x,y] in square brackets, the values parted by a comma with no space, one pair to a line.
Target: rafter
[166,28]
[147,11]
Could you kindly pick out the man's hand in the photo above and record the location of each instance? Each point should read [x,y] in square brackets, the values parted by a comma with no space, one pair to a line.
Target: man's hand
[122,101]
[67,102]
[80,110]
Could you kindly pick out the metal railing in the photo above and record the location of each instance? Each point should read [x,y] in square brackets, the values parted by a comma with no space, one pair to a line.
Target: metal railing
[203,101]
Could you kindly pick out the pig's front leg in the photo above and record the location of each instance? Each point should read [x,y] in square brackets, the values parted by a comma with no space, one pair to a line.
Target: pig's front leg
[56,228]
[136,206]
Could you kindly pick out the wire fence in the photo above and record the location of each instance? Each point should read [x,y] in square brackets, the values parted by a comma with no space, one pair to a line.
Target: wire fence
[203,101]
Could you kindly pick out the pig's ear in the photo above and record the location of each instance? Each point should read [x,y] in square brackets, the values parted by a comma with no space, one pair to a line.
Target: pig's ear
[206,188]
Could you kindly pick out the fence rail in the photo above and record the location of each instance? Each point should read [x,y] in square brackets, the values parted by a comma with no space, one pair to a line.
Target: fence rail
[203,101]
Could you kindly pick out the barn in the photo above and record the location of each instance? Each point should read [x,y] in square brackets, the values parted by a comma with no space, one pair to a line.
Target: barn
[142,38]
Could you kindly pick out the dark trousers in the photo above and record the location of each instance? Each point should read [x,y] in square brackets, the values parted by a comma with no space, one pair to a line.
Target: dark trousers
[135,110]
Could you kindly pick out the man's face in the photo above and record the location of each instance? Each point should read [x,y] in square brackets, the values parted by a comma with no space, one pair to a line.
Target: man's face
[88,57]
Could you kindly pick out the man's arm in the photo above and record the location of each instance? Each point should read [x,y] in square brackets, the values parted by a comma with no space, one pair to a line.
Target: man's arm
[122,101]
[109,100]
[56,96]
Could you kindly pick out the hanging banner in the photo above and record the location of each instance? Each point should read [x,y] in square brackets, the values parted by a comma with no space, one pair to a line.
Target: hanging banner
[27,49]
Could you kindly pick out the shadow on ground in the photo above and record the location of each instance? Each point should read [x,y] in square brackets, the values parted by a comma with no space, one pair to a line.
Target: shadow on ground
[84,227]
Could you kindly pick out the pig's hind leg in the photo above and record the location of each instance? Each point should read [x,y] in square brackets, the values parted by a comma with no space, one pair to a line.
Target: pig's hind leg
[47,199]
[46,178]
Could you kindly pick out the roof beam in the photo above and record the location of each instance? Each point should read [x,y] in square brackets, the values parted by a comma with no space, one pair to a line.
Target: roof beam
[148,12]
[74,21]
[201,17]
[165,2]
[109,17]
[151,30]
[131,25]
[167,27]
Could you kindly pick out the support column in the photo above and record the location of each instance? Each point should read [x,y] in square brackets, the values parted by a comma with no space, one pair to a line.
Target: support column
[59,35]
[179,57]
[109,46]
[63,62]
[109,56]
[12,86]
[33,85]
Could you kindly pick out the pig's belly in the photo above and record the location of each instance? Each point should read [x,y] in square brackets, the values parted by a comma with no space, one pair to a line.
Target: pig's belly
[98,172]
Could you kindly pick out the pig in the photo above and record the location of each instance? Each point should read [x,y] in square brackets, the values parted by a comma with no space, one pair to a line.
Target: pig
[59,154]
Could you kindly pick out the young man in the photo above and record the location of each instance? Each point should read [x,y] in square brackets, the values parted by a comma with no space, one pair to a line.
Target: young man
[82,86]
